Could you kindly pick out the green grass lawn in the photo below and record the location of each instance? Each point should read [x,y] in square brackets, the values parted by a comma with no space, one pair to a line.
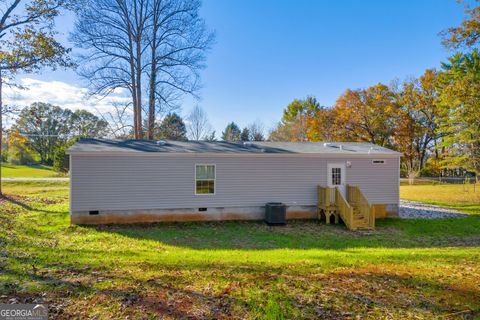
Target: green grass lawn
[33,171]
[465,198]
[405,269]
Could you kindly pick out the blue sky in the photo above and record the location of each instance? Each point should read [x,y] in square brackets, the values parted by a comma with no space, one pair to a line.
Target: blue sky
[269,52]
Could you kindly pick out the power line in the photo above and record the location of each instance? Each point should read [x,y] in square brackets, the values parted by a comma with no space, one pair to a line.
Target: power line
[39,135]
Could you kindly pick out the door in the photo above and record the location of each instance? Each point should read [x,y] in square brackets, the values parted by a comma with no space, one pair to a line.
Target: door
[336,177]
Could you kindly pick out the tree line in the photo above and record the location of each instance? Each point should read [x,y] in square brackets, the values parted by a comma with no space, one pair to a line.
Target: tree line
[154,51]
[42,132]
[434,120]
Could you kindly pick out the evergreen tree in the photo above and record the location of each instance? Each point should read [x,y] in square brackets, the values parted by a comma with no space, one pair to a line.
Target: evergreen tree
[61,161]
[231,133]
[459,95]
[245,135]
[172,128]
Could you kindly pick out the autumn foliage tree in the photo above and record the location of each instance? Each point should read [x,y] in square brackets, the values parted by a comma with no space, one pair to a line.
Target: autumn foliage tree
[404,119]
[304,120]
[467,34]
[435,116]
[366,115]
[417,131]
[19,151]
[28,41]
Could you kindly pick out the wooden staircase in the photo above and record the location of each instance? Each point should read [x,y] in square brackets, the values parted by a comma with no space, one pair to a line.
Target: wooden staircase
[360,220]
[354,209]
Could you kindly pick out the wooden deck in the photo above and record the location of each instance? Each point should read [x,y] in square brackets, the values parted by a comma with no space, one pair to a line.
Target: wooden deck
[354,209]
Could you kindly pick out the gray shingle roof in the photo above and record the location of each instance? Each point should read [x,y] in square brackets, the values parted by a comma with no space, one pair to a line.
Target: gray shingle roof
[119,146]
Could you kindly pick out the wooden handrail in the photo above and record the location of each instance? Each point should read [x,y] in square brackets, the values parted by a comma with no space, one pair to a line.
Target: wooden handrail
[324,198]
[344,209]
[332,199]
[351,193]
[356,197]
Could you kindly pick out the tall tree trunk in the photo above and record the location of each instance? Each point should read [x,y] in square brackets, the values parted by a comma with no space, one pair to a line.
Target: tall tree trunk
[1,131]
[153,73]
[133,80]
[139,88]
[151,98]
[139,25]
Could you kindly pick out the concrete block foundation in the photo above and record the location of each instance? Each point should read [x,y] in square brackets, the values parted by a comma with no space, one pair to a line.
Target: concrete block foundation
[188,214]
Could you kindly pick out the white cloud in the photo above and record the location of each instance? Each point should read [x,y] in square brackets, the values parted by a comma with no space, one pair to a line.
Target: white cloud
[63,95]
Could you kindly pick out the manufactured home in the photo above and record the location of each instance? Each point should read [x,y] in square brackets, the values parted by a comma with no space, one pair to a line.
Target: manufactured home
[131,181]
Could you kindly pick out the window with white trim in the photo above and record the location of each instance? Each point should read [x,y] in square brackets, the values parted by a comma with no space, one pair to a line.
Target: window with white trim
[205,179]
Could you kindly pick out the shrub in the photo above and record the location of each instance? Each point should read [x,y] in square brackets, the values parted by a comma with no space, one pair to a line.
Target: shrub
[432,168]
[18,150]
[61,161]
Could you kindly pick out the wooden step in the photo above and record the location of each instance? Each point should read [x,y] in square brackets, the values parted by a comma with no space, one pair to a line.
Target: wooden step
[362,225]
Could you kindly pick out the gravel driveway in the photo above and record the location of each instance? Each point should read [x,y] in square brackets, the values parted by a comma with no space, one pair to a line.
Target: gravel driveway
[417,210]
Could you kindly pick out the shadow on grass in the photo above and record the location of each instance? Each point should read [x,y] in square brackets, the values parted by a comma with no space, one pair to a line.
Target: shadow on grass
[20,166]
[22,202]
[169,290]
[79,285]
[392,233]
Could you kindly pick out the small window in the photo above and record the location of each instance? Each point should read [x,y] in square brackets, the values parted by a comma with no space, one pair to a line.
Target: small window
[336,176]
[205,179]
[378,161]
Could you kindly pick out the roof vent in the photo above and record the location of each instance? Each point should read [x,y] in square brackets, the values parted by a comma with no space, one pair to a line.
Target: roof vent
[331,145]
[161,142]
[372,149]
[247,144]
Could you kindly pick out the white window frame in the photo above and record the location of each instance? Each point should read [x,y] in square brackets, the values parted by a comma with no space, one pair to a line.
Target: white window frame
[214,180]
[383,161]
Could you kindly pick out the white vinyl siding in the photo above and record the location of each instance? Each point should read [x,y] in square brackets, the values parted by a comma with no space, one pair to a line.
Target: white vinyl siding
[379,183]
[125,182]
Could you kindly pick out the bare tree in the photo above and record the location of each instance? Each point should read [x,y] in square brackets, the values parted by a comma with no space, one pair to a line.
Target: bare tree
[135,44]
[198,126]
[211,136]
[112,35]
[257,131]
[119,121]
[178,40]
